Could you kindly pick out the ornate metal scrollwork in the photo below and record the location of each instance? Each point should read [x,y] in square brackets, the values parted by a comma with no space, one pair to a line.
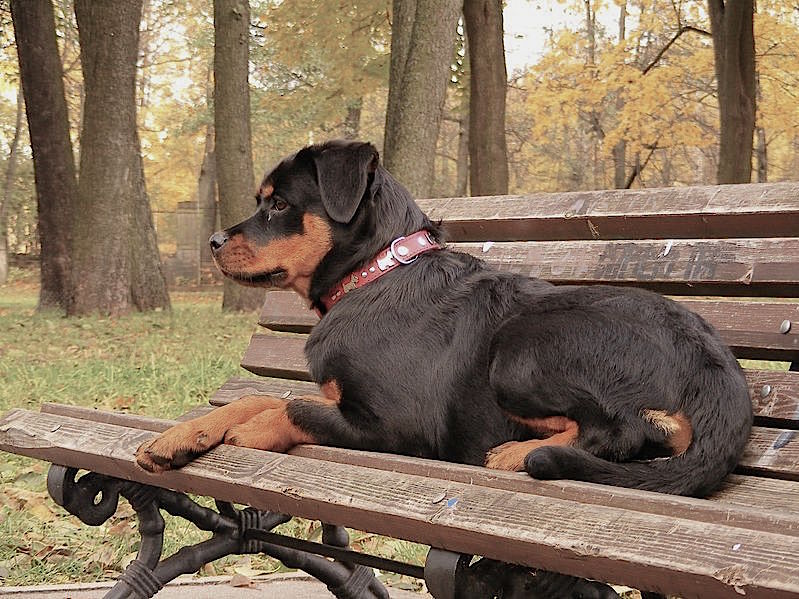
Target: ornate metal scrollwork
[94,498]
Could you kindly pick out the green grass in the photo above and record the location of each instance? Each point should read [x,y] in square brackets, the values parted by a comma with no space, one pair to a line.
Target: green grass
[160,364]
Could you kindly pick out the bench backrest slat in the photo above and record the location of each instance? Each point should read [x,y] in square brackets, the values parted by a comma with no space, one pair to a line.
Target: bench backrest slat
[752,329]
[742,267]
[715,211]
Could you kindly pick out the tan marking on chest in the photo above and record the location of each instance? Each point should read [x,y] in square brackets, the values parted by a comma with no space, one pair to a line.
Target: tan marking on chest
[332,391]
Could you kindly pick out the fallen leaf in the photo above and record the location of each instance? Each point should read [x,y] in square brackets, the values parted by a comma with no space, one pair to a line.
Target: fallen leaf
[120,528]
[123,402]
[41,512]
[249,571]
[239,580]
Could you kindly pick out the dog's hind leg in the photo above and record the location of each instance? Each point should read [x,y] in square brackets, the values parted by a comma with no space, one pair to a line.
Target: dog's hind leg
[511,455]
[552,382]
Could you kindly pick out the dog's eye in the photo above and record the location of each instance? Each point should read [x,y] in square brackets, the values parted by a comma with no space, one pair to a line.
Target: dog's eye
[280,205]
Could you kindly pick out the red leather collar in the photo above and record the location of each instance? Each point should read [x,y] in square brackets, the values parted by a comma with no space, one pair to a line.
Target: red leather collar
[403,250]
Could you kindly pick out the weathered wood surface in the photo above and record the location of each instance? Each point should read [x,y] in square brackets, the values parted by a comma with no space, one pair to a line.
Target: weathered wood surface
[606,543]
[237,387]
[763,267]
[751,329]
[764,210]
[283,357]
[279,357]
[749,491]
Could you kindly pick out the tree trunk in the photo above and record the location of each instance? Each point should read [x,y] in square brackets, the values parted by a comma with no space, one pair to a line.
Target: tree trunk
[352,122]
[148,284]
[115,257]
[734,49]
[206,197]
[488,151]
[232,126]
[11,173]
[762,145]
[423,37]
[620,149]
[48,124]
[206,181]
[462,176]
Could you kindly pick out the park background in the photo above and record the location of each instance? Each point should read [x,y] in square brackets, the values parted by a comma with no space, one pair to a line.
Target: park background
[138,150]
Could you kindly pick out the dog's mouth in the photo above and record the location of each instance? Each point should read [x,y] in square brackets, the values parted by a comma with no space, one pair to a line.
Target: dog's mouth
[272,278]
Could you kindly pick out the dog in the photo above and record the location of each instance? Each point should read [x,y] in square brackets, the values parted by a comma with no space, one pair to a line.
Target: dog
[425,351]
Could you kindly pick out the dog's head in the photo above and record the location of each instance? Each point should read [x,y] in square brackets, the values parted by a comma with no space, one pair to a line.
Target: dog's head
[320,213]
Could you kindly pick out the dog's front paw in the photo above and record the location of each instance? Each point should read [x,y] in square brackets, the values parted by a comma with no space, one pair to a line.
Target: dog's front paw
[177,447]
[244,435]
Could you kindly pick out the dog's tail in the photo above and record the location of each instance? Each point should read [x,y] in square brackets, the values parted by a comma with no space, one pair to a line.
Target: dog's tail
[715,450]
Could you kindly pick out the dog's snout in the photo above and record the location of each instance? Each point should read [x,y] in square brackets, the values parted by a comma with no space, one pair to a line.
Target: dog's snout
[217,240]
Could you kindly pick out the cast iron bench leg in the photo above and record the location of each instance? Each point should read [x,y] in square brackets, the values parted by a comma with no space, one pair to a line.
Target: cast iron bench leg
[453,576]
[234,532]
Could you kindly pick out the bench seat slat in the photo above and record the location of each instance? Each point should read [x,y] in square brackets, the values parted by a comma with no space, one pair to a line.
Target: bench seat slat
[749,491]
[625,546]
[283,357]
[708,211]
[752,329]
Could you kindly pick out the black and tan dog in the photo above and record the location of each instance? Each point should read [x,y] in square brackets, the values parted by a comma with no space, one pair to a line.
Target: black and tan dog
[425,351]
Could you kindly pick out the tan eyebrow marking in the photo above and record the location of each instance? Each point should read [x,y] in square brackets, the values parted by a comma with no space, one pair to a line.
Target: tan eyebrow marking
[266,190]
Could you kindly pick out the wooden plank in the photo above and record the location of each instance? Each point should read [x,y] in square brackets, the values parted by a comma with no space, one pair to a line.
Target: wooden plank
[279,357]
[268,355]
[286,311]
[751,329]
[775,397]
[757,210]
[749,491]
[624,546]
[772,452]
[271,356]
[237,387]
[749,267]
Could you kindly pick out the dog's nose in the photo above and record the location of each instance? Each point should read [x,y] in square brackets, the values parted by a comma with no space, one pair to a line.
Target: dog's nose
[217,240]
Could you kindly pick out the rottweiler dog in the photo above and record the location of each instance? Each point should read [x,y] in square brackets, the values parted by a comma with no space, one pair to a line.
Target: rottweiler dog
[425,351]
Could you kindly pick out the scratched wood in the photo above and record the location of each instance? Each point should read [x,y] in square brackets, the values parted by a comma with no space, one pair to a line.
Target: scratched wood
[749,491]
[751,329]
[237,387]
[767,267]
[283,357]
[624,545]
[770,210]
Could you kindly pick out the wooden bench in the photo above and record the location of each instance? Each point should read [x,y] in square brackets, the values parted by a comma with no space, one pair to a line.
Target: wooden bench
[722,246]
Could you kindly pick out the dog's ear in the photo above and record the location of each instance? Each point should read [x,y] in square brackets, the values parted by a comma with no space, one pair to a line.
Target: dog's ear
[343,173]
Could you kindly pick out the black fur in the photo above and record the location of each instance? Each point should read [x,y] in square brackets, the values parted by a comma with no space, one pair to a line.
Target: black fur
[433,357]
